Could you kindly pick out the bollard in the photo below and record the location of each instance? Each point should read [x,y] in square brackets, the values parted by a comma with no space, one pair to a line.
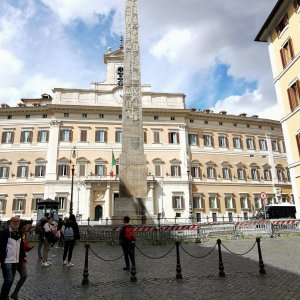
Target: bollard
[178,265]
[261,263]
[85,280]
[133,268]
[221,266]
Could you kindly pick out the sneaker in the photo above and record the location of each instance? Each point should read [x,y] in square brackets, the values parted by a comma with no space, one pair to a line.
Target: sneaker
[126,268]
[65,262]
[69,264]
[45,264]
[49,263]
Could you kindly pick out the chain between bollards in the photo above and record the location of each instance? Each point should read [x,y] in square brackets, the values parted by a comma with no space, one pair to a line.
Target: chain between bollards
[221,266]
[178,265]
[261,263]
[85,280]
[133,268]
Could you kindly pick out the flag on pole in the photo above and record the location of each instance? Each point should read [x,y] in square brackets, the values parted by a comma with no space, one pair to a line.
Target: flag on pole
[113,163]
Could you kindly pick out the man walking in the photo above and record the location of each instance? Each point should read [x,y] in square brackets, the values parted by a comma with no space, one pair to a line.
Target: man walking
[40,232]
[127,238]
[12,257]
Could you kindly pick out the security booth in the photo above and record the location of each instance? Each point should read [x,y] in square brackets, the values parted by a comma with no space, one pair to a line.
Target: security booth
[47,206]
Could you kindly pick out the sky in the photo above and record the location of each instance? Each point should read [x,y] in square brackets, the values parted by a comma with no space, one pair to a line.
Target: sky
[203,49]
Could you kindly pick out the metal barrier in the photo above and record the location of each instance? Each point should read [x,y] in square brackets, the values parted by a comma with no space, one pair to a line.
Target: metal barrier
[285,226]
[253,228]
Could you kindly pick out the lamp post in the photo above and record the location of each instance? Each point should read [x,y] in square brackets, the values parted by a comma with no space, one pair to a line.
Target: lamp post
[78,189]
[189,193]
[73,155]
[162,199]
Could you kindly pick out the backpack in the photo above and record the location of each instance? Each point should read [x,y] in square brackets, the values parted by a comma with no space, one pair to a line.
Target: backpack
[39,228]
[68,234]
[129,233]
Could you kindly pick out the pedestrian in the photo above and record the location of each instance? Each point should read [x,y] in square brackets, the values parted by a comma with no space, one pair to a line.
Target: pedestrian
[50,238]
[127,238]
[71,235]
[59,233]
[40,232]
[13,258]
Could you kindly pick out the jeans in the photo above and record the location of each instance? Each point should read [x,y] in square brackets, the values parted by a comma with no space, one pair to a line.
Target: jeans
[22,270]
[9,272]
[40,245]
[128,253]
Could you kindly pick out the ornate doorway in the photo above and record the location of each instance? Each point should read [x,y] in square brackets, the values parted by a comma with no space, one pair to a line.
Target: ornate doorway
[98,212]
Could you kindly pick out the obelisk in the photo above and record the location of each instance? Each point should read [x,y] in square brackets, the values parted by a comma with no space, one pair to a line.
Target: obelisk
[133,168]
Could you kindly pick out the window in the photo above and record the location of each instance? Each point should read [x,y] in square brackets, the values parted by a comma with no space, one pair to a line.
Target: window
[101,116]
[214,217]
[26,136]
[62,201]
[40,171]
[83,135]
[208,142]
[65,135]
[63,170]
[211,172]
[35,201]
[4,171]
[237,142]
[205,122]
[43,136]
[84,115]
[156,136]
[9,117]
[257,202]
[221,123]
[174,137]
[82,169]
[267,174]
[226,173]
[66,115]
[101,136]
[19,204]
[172,118]
[118,136]
[22,171]
[246,216]
[158,170]
[155,118]
[230,217]
[177,202]
[222,141]
[2,204]
[193,139]
[196,171]
[288,175]
[7,137]
[294,95]
[250,143]
[229,202]
[213,202]
[274,145]
[240,173]
[282,24]
[198,217]
[120,76]
[45,116]
[197,202]
[244,202]
[191,121]
[262,144]
[175,171]
[27,117]
[280,174]
[99,170]
[287,53]
[283,146]
[120,117]
[254,173]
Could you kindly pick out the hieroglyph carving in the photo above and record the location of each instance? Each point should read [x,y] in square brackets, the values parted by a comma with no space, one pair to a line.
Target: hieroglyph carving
[132,76]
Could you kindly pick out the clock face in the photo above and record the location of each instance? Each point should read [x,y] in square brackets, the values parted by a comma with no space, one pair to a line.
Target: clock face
[118,96]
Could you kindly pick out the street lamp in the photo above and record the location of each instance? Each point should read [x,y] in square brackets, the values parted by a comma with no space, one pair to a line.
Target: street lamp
[73,155]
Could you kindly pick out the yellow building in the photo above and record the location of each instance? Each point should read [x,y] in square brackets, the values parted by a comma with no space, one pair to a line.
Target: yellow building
[202,165]
[281,31]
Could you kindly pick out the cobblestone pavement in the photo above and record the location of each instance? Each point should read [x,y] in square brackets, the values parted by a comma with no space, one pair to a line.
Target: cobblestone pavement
[156,278]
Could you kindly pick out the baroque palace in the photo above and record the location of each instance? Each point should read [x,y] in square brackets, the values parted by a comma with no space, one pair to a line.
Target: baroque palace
[202,165]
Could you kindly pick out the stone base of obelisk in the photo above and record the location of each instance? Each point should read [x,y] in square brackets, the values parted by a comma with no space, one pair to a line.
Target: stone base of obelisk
[131,207]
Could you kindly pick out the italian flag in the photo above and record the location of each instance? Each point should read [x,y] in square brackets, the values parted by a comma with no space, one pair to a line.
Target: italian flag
[113,163]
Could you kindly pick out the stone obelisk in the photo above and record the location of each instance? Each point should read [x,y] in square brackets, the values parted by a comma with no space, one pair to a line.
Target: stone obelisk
[133,168]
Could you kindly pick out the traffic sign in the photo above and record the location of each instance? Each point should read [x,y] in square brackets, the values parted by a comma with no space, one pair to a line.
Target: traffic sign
[263,196]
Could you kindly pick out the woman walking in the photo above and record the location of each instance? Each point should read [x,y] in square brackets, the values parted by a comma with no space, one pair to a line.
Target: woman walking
[71,234]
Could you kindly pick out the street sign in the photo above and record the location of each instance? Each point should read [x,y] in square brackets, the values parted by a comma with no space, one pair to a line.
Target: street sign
[263,196]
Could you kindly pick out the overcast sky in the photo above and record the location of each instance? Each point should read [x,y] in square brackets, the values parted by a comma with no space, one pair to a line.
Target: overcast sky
[201,48]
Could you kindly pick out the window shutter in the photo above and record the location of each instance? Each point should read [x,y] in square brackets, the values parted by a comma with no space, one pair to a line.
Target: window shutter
[68,170]
[200,172]
[56,199]
[3,137]
[291,48]
[277,31]
[182,202]
[145,137]
[14,204]
[283,57]
[295,5]
[36,171]
[83,136]
[4,204]
[18,171]
[12,137]
[298,142]
[179,170]
[30,136]
[105,136]
[23,204]
[7,172]
[22,137]
[170,140]
[177,136]
[215,173]
[291,98]
[104,170]
[60,135]
[96,170]
[212,141]
[39,136]
[173,201]
[26,171]
[59,170]
[33,204]
[70,135]
[47,135]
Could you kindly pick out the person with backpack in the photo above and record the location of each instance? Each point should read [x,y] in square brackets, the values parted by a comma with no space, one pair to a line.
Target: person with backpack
[71,235]
[40,232]
[127,238]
